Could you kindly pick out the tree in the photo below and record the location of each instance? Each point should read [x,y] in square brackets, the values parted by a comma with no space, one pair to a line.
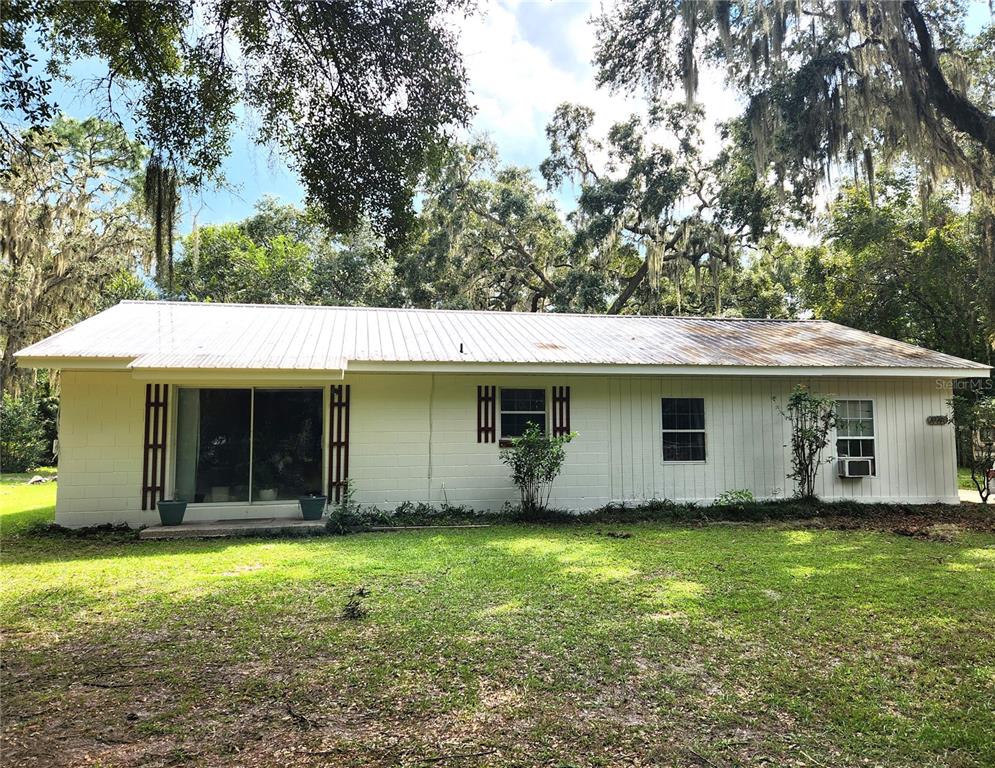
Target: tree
[905,268]
[488,238]
[221,263]
[832,81]
[69,222]
[22,433]
[810,417]
[283,254]
[975,416]
[358,95]
[650,213]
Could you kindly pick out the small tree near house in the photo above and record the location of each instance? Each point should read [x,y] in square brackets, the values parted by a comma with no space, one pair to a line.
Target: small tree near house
[811,418]
[976,417]
[535,460]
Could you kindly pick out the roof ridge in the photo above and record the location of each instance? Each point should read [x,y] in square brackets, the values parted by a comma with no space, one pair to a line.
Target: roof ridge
[709,318]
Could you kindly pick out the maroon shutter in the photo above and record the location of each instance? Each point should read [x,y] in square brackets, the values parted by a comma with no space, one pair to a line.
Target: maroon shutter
[561,411]
[486,414]
[338,442]
[154,452]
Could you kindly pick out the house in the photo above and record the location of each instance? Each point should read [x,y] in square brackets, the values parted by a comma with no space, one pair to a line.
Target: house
[239,409]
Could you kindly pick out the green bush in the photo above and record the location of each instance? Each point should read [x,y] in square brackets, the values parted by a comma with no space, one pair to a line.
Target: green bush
[535,460]
[735,498]
[22,434]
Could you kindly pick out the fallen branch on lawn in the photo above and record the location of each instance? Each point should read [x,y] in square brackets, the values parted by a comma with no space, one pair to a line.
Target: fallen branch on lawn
[457,755]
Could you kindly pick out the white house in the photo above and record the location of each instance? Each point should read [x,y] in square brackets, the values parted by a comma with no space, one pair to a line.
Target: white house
[239,409]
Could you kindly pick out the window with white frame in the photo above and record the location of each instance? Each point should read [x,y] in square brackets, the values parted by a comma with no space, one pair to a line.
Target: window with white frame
[683,429]
[855,431]
[521,407]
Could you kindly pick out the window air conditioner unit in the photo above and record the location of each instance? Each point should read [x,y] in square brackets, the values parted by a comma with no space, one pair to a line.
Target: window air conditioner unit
[855,467]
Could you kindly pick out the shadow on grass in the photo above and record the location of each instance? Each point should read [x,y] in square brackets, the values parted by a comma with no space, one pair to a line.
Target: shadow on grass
[20,523]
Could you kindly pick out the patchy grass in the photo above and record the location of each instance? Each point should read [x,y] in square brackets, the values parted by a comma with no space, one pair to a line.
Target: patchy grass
[705,645]
[23,505]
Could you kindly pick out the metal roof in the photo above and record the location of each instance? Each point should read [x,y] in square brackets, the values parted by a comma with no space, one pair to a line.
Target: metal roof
[184,335]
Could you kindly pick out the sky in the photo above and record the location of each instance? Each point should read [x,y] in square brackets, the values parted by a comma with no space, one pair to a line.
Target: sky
[523,58]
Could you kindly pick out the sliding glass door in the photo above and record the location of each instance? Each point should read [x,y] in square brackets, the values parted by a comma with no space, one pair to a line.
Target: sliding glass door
[248,445]
[286,444]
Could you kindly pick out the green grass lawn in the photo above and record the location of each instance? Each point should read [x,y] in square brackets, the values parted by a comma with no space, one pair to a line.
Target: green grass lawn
[720,645]
[21,504]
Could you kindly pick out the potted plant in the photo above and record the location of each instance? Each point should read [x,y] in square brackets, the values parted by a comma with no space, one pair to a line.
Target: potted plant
[265,481]
[312,507]
[171,511]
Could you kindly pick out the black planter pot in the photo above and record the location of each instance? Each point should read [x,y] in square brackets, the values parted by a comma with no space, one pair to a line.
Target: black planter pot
[312,507]
[171,512]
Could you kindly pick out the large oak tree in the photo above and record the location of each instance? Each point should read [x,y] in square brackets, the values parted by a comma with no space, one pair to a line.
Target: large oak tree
[834,80]
[357,95]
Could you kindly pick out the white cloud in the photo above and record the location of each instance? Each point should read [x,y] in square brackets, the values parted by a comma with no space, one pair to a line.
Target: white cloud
[516,84]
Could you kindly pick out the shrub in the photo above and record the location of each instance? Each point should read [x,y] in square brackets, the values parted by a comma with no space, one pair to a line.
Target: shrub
[22,434]
[735,498]
[535,460]
[811,417]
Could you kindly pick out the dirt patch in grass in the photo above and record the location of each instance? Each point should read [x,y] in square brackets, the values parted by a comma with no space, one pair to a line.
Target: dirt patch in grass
[939,522]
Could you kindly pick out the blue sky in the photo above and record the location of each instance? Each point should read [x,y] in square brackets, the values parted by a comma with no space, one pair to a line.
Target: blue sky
[523,59]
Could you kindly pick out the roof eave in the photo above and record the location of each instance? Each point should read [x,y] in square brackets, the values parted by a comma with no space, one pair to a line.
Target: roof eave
[375,366]
[125,364]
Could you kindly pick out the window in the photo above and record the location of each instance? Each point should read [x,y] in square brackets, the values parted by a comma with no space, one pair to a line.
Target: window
[683,429]
[246,445]
[855,430]
[521,407]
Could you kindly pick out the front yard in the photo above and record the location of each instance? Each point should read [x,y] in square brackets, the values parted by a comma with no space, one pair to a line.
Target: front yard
[709,646]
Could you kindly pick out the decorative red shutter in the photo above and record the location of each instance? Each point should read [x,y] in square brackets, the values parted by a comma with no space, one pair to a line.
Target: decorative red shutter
[486,414]
[561,411]
[338,443]
[154,453]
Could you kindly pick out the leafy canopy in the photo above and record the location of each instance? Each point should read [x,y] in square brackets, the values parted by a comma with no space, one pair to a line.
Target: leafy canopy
[69,223]
[648,212]
[828,81]
[358,95]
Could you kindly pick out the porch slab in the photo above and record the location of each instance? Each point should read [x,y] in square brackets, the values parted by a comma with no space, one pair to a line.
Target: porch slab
[213,529]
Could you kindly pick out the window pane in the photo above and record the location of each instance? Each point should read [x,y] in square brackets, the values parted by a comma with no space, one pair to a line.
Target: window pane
[286,452]
[212,445]
[523,400]
[683,446]
[855,448]
[513,424]
[683,413]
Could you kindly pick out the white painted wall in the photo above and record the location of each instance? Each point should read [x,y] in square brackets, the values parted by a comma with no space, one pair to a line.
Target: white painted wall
[413,438]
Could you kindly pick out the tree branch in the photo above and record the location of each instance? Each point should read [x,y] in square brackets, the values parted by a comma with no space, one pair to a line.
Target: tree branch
[956,107]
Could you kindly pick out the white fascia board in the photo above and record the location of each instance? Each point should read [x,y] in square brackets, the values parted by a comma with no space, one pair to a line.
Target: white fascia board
[74,363]
[373,366]
[216,376]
